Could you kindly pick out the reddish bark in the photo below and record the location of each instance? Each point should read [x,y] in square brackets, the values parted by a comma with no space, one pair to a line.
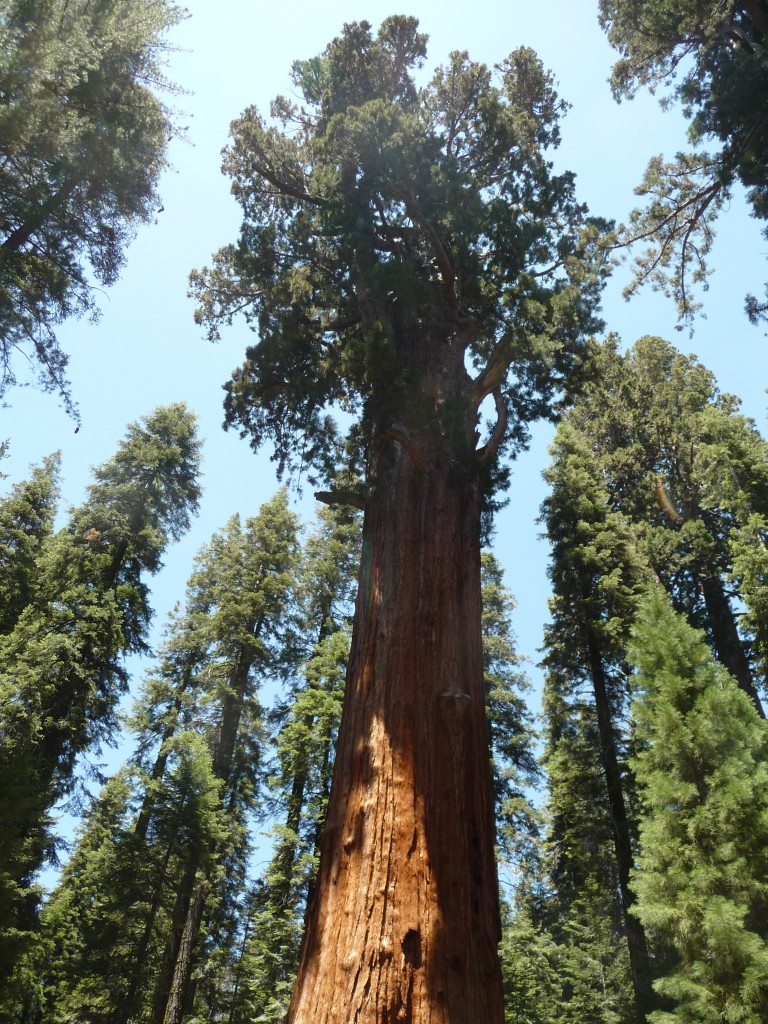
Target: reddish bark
[404,926]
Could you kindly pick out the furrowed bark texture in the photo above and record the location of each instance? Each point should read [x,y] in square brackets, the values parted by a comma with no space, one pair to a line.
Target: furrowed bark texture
[404,926]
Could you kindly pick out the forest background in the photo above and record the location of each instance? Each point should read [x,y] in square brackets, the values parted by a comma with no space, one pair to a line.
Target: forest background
[145,349]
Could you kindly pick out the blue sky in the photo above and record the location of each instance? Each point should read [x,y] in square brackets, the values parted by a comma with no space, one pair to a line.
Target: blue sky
[146,350]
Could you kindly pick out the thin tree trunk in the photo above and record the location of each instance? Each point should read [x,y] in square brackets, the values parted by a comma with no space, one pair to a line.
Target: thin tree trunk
[173,986]
[636,940]
[318,830]
[725,636]
[233,1003]
[165,978]
[127,1006]
[184,961]
[285,857]
[405,923]
[161,760]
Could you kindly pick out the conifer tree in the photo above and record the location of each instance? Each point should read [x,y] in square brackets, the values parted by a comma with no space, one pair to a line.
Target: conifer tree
[26,521]
[515,767]
[116,896]
[393,237]
[306,720]
[164,889]
[708,56]
[83,137]
[596,574]
[688,472]
[61,671]
[702,877]
[242,587]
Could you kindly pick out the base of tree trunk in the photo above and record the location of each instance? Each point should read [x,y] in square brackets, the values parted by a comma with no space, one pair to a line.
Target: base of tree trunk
[405,925]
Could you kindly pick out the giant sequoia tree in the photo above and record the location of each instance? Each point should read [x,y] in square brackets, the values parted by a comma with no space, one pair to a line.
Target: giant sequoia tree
[406,253]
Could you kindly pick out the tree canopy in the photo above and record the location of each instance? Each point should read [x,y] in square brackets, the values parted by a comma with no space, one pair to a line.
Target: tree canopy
[83,137]
[382,219]
[709,56]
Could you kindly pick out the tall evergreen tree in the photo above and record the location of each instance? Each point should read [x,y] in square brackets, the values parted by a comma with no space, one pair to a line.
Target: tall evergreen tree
[306,719]
[654,475]
[26,521]
[242,587]
[708,56]
[392,237]
[702,877]
[116,897]
[61,671]
[159,888]
[515,767]
[83,138]
[596,574]
[688,472]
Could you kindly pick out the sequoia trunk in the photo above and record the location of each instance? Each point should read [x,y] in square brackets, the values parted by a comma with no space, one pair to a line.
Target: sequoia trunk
[404,926]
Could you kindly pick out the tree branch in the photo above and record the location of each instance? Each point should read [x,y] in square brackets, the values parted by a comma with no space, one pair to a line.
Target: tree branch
[443,262]
[341,497]
[758,15]
[489,449]
[22,234]
[490,378]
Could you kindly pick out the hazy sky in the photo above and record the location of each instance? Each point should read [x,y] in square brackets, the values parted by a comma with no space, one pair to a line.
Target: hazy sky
[147,351]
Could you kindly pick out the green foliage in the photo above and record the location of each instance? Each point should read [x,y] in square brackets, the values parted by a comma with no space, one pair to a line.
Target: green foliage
[688,473]
[26,521]
[529,965]
[162,885]
[306,720]
[82,144]
[702,877]
[61,666]
[711,57]
[114,889]
[515,768]
[390,233]
[655,476]
[576,970]
[749,547]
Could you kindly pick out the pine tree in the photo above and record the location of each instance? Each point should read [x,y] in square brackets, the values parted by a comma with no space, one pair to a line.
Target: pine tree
[702,877]
[242,587]
[687,471]
[306,719]
[83,138]
[596,574]
[709,57]
[61,671]
[165,877]
[26,521]
[117,895]
[515,767]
